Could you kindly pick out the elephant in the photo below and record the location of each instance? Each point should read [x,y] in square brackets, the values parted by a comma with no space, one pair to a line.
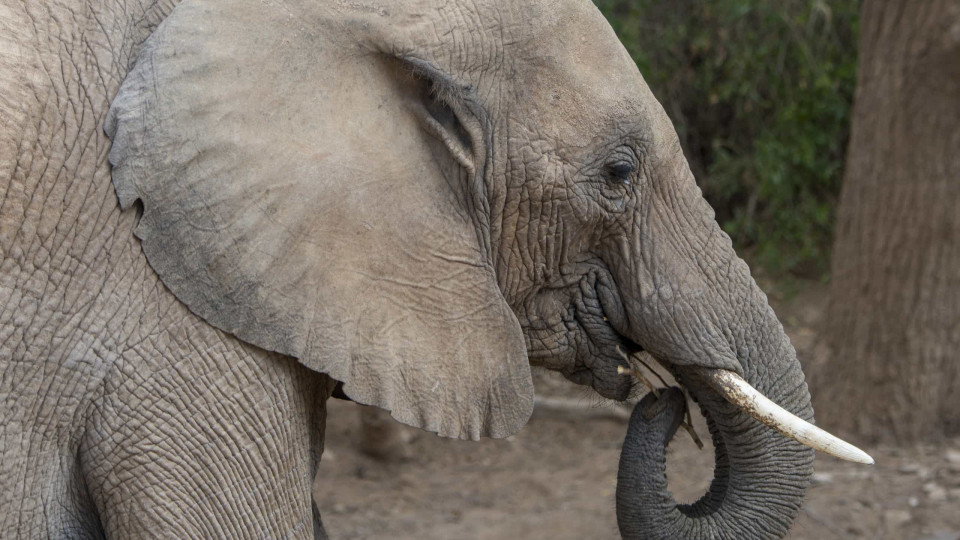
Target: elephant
[215,214]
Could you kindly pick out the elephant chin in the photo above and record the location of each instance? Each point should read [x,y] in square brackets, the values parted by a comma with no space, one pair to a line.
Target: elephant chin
[612,384]
[604,378]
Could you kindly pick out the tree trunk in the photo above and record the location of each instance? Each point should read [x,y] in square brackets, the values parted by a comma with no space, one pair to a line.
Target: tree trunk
[893,333]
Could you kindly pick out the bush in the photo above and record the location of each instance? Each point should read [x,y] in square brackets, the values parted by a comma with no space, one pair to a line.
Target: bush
[760,93]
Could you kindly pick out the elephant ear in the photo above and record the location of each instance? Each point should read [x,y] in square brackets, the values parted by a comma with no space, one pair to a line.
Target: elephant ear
[295,194]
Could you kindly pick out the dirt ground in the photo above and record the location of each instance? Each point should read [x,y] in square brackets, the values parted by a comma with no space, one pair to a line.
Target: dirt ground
[556,478]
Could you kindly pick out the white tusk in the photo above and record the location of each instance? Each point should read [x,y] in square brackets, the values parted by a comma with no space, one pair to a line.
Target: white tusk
[736,390]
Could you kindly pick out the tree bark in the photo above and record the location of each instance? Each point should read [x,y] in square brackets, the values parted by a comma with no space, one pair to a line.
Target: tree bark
[893,332]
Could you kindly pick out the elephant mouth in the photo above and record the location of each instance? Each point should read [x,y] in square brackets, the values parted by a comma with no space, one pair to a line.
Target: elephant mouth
[573,329]
[603,374]
[603,349]
[602,317]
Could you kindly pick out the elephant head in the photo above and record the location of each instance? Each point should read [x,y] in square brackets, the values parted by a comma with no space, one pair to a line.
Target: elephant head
[423,198]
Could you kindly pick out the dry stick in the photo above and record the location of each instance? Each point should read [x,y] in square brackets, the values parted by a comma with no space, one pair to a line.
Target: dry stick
[639,358]
[622,370]
[687,423]
[636,373]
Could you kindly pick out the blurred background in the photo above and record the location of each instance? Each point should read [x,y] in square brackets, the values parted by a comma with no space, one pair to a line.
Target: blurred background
[826,135]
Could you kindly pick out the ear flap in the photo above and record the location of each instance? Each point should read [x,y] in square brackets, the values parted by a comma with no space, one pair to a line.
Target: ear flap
[291,197]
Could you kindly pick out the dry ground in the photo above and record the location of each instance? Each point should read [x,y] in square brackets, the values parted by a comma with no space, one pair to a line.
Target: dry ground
[556,478]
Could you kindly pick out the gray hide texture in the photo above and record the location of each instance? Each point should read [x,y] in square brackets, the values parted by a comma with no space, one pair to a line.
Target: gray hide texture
[278,214]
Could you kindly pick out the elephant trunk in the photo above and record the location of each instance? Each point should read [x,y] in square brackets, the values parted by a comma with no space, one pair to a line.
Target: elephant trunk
[759,480]
[760,475]
[690,302]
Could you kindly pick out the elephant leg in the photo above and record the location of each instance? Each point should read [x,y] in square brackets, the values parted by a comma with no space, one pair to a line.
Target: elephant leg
[209,438]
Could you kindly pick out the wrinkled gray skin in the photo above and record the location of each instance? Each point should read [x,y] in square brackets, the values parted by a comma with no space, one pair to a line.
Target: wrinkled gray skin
[418,199]
[732,508]
[641,480]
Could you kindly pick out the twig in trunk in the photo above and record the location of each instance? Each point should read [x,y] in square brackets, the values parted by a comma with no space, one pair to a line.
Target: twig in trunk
[624,370]
[687,423]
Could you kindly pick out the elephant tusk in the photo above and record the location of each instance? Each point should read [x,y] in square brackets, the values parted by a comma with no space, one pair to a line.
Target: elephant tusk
[738,392]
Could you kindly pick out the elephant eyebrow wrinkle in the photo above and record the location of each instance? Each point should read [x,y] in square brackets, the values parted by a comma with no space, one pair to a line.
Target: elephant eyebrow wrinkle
[444,87]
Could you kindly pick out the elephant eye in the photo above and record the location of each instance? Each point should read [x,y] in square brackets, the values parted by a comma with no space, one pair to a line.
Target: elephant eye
[620,172]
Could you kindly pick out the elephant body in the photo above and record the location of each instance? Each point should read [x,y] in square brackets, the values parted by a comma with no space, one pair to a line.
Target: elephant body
[123,413]
[213,213]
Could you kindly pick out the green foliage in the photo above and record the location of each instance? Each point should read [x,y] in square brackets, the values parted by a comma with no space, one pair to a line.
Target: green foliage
[760,93]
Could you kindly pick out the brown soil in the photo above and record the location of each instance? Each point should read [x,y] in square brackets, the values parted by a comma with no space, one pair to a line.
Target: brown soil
[556,478]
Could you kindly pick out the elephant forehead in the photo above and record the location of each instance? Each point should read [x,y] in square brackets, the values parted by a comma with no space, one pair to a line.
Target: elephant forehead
[549,59]
[578,78]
